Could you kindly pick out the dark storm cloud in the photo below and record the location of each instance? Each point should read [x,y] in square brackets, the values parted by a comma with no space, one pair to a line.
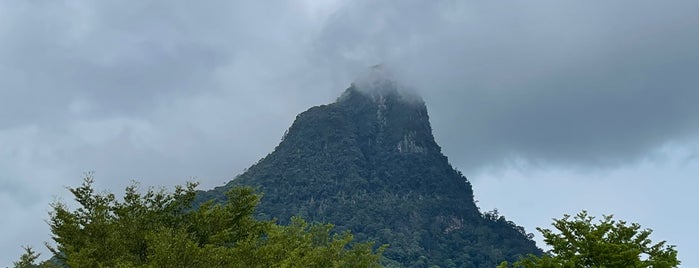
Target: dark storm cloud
[564,82]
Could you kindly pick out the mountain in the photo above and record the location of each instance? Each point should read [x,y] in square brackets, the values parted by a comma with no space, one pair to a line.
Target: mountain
[369,163]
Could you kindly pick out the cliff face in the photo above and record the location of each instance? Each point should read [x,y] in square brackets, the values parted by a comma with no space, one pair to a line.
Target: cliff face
[369,163]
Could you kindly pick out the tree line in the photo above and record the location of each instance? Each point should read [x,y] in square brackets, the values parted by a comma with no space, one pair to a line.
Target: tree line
[155,228]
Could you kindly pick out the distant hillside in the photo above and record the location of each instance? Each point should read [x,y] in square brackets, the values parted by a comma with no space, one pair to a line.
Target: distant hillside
[369,163]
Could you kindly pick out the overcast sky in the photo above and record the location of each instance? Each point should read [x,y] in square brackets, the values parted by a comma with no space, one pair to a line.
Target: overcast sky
[548,107]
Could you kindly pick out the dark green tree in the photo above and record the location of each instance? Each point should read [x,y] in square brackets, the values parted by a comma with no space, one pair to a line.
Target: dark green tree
[579,242]
[161,229]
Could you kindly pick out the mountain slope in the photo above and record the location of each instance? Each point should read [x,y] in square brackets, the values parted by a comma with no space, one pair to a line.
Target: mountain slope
[369,163]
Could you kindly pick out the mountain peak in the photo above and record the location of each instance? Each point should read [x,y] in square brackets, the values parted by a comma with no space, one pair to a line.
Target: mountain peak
[369,163]
[379,82]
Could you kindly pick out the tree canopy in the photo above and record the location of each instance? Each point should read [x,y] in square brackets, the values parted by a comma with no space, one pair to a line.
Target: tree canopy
[161,229]
[580,242]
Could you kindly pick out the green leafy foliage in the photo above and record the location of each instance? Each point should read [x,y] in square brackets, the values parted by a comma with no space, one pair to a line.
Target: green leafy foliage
[579,242]
[161,229]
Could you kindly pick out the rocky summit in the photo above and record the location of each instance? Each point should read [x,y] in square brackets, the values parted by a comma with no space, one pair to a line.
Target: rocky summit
[369,163]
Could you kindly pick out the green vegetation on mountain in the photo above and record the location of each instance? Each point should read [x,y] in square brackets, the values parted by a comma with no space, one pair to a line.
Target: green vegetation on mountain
[161,229]
[578,242]
[369,164]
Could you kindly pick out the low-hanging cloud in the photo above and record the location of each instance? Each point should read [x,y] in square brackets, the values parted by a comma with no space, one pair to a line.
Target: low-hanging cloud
[593,85]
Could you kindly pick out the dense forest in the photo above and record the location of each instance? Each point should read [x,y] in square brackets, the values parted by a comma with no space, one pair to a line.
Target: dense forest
[369,164]
[160,229]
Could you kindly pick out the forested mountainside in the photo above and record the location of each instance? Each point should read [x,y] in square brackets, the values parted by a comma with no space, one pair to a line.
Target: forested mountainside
[369,163]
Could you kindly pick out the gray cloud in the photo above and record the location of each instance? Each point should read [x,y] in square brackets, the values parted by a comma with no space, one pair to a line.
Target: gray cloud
[158,92]
[596,85]
[124,59]
[165,91]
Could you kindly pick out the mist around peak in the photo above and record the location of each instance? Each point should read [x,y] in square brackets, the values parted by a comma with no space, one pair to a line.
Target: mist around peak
[380,81]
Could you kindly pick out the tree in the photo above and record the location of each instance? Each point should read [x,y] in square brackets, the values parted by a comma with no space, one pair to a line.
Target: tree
[579,242]
[161,229]
[28,259]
